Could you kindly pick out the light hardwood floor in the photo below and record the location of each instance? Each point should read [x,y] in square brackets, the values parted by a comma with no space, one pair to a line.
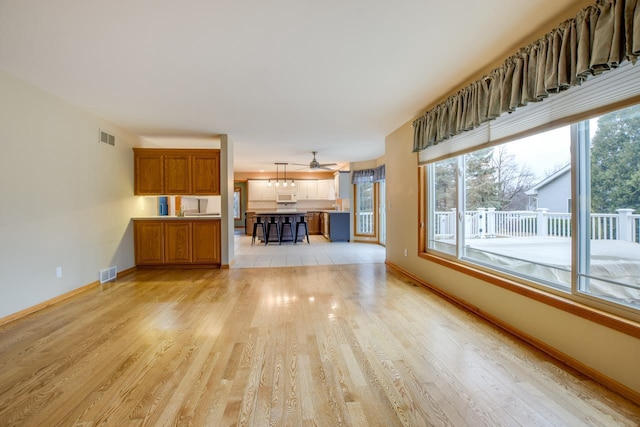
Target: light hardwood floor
[324,345]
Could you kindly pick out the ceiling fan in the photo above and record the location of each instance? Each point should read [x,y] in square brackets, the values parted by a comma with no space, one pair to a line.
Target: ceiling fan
[314,164]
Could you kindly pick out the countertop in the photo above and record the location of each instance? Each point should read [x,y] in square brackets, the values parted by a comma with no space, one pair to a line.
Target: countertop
[292,211]
[178,218]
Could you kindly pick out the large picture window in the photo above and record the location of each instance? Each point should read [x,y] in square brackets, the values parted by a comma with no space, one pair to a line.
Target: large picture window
[559,209]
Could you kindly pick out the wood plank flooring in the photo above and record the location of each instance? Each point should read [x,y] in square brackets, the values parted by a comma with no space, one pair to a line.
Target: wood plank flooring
[352,345]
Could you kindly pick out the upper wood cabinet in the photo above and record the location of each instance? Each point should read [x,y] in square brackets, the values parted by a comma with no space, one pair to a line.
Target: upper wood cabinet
[206,173]
[177,174]
[149,173]
[176,171]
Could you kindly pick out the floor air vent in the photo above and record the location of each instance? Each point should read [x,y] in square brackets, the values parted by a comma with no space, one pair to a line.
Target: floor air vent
[108,274]
[107,138]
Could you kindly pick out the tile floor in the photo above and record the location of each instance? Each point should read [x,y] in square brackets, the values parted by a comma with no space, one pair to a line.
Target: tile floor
[319,252]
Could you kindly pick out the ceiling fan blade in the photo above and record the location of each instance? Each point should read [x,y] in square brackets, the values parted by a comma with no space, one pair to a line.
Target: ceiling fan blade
[327,164]
[300,164]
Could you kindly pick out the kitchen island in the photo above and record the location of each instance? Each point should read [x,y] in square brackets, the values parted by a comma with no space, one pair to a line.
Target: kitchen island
[332,224]
[335,226]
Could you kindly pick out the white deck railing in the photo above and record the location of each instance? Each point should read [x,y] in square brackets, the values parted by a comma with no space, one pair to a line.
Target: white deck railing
[365,223]
[487,222]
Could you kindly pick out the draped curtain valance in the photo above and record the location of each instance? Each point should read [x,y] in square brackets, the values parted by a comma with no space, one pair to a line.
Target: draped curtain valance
[598,39]
[368,175]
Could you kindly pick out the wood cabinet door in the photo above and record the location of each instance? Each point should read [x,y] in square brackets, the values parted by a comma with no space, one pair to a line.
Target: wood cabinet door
[148,242]
[177,242]
[326,228]
[314,223]
[206,173]
[250,219]
[177,174]
[149,170]
[206,242]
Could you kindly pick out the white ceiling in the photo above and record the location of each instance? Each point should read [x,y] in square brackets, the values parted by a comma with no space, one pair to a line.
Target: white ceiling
[280,77]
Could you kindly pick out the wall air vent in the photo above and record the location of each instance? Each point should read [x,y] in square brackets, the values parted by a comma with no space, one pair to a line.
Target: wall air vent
[108,274]
[107,138]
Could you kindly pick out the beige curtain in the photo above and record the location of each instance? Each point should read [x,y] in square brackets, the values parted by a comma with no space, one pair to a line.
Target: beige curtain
[598,39]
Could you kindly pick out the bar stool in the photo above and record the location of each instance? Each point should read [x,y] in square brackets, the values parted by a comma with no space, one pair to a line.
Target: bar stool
[286,222]
[301,222]
[273,220]
[256,225]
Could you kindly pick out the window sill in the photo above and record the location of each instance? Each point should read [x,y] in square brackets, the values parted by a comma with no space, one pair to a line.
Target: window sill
[598,316]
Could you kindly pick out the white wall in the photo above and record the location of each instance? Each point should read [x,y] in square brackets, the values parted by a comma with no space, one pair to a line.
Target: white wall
[66,199]
[606,350]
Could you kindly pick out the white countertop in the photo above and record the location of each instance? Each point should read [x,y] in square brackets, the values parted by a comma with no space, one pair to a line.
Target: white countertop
[188,217]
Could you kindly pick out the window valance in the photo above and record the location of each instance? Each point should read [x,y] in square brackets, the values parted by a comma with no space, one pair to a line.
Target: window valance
[599,38]
[368,175]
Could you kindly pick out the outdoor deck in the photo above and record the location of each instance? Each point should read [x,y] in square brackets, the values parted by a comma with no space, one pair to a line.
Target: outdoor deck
[538,245]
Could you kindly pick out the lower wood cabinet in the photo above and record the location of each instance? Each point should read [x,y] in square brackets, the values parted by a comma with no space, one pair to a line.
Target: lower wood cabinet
[203,234]
[313,221]
[177,242]
[180,242]
[149,242]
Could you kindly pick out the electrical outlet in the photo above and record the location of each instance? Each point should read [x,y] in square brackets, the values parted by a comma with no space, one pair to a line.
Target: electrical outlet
[405,252]
[58,272]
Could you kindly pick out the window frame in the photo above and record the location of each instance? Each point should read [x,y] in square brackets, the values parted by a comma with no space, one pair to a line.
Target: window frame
[374,233]
[577,302]
[238,191]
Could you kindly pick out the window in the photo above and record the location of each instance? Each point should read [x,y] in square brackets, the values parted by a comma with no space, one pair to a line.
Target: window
[382,212]
[443,206]
[504,208]
[608,154]
[364,209]
[237,203]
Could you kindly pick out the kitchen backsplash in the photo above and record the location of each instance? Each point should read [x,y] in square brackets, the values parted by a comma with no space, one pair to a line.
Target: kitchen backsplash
[300,204]
[203,204]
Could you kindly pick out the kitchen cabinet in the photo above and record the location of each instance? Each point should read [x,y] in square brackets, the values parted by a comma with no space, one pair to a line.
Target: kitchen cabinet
[249,220]
[177,242]
[177,174]
[176,171]
[342,184]
[206,173]
[261,190]
[206,242]
[315,189]
[326,189]
[149,242]
[149,173]
[313,222]
[307,189]
[335,226]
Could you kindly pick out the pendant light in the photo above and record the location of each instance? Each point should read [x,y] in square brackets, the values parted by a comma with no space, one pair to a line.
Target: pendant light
[285,184]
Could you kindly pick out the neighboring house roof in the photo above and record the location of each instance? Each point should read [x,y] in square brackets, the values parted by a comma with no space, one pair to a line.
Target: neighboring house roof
[557,174]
